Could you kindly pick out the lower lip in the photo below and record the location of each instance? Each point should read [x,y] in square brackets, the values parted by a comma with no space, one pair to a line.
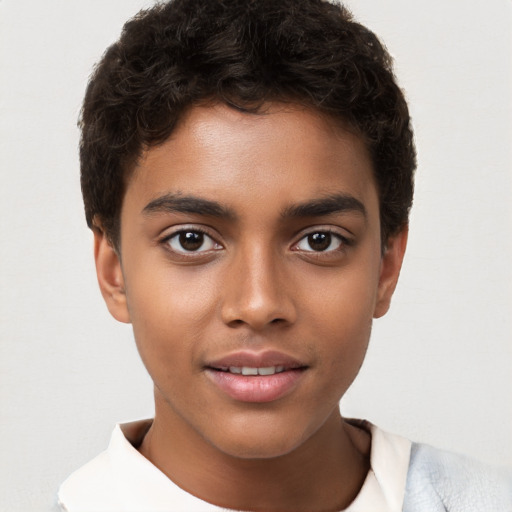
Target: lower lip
[261,388]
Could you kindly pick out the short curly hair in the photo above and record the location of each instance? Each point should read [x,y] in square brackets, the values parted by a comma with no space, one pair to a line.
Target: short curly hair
[244,53]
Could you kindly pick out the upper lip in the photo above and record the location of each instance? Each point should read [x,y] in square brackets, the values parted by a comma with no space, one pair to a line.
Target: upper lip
[263,359]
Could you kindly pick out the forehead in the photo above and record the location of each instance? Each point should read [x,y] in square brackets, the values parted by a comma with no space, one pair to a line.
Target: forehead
[284,154]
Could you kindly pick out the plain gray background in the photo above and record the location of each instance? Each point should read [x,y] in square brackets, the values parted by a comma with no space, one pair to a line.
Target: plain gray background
[439,368]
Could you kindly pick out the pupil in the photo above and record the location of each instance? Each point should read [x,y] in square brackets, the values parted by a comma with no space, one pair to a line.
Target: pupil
[191,241]
[319,241]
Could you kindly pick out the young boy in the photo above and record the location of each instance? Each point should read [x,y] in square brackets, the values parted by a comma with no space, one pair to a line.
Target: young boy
[247,170]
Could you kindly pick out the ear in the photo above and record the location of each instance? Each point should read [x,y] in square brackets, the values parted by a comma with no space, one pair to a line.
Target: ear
[391,264]
[110,276]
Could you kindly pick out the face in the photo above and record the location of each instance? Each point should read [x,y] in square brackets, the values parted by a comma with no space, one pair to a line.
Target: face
[251,269]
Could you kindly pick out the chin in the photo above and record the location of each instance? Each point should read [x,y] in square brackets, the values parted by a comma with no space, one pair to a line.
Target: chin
[259,440]
[258,449]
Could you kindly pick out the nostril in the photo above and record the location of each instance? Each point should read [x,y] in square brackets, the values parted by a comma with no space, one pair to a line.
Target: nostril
[238,322]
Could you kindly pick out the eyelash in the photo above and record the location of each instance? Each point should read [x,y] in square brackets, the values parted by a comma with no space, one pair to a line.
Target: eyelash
[167,240]
[344,242]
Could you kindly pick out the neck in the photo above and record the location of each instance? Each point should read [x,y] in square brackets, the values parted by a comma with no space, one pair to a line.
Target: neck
[325,472]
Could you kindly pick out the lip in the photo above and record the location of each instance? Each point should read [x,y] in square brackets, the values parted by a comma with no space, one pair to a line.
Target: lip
[256,359]
[260,388]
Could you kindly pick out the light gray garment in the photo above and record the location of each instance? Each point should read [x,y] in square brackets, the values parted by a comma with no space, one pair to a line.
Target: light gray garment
[440,481]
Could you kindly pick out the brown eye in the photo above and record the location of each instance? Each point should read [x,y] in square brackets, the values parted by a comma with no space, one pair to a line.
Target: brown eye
[320,241]
[191,241]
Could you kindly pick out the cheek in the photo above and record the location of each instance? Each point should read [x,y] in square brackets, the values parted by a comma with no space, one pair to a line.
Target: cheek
[340,316]
[168,312]
[344,300]
[169,295]
[346,340]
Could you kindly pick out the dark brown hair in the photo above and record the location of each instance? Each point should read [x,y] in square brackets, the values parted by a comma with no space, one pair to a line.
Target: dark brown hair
[244,53]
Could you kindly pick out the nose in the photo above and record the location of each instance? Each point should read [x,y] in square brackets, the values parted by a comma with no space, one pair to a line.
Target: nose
[257,290]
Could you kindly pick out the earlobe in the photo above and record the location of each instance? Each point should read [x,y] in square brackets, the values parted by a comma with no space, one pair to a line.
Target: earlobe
[390,270]
[110,276]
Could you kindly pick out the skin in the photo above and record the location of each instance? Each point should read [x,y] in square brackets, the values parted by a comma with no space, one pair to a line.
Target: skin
[257,282]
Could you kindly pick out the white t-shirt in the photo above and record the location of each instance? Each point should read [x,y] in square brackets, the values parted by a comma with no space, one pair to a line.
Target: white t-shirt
[122,480]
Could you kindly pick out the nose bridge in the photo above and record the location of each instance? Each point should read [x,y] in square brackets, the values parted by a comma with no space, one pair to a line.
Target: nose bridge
[257,294]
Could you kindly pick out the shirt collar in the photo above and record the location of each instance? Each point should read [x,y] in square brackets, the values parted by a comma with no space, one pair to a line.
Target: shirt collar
[142,486]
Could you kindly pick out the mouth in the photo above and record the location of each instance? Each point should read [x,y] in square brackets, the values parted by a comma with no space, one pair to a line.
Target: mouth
[256,377]
[253,370]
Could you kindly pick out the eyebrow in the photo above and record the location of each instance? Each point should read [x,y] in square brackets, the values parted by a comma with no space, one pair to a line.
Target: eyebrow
[170,203]
[335,203]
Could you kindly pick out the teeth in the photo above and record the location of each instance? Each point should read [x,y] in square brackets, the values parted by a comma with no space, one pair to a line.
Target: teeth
[267,371]
[248,370]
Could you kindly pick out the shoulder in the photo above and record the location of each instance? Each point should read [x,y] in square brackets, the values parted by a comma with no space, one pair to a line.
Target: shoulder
[442,481]
[89,489]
